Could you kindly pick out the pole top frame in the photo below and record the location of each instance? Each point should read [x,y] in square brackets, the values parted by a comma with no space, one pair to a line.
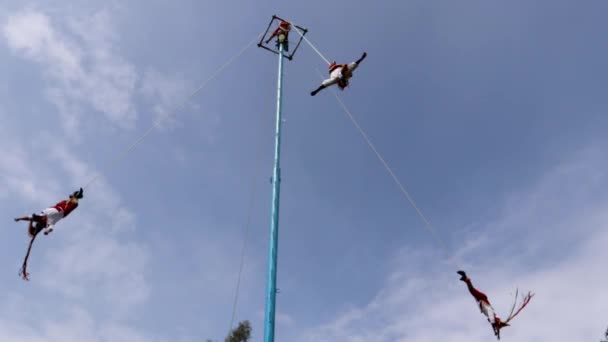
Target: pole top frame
[302,30]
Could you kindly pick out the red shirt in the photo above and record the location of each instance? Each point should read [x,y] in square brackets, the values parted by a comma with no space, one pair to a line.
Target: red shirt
[478,295]
[66,207]
[281,29]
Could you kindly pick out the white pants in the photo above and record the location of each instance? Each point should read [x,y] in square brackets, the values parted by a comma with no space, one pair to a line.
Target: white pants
[52,216]
[336,75]
[487,310]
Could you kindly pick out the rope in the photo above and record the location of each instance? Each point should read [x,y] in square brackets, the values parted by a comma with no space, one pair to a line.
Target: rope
[427,224]
[244,247]
[309,43]
[23,271]
[139,140]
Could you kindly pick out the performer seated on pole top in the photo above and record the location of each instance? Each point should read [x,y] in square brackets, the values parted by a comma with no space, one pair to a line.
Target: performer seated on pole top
[282,34]
[339,74]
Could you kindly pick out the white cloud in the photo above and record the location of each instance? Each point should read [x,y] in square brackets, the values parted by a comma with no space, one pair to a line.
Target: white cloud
[92,271]
[89,256]
[169,98]
[101,265]
[86,72]
[83,74]
[72,324]
[284,319]
[88,259]
[92,257]
[166,94]
[24,173]
[559,226]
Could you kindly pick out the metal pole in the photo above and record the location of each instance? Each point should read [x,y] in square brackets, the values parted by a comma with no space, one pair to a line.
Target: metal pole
[271,287]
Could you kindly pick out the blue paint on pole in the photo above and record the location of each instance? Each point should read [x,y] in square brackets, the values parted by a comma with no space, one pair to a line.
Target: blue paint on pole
[271,287]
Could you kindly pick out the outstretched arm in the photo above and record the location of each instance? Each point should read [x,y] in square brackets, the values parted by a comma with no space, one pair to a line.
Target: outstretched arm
[314,92]
[24,218]
[276,33]
[271,36]
[362,58]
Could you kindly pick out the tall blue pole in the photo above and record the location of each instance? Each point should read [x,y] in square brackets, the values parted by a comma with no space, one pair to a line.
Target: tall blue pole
[271,286]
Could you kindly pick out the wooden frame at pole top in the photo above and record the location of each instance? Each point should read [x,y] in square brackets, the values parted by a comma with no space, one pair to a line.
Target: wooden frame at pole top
[302,30]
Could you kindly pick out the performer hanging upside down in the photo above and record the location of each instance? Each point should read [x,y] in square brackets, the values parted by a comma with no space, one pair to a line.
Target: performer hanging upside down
[282,34]
[46,220]
[339,74]
[486,308]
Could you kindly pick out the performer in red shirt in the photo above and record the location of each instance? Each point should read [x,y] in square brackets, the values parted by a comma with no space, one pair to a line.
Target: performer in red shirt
[50,216]
[282,34]
[486,308]
[339,74]
[46,220]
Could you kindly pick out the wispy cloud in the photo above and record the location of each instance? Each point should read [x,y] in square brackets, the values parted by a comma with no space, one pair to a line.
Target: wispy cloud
[90,262]
[284,319]
[166,94]
[92,268]
[73,324]
[426,302]
[84,68]
[23,172]
[89,259]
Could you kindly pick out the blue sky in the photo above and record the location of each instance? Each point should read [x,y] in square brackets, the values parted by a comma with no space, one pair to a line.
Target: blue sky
[491,113]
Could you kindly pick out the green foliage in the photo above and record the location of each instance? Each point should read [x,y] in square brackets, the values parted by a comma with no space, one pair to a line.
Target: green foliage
[242,333]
